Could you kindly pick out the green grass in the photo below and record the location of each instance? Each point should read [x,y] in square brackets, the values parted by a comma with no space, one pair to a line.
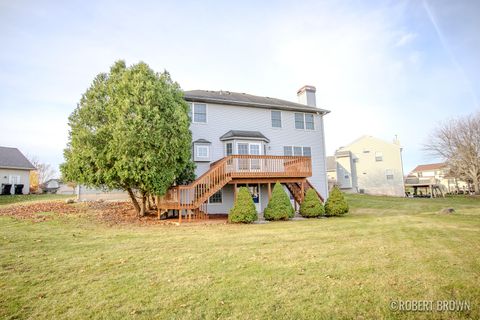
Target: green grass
[350,267]
[4,200]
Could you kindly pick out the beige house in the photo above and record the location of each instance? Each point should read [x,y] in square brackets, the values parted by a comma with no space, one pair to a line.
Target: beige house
[14,172]
[439,173]
[368,165]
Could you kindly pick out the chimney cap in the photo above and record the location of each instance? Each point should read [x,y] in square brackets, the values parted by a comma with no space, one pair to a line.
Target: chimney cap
[307,88]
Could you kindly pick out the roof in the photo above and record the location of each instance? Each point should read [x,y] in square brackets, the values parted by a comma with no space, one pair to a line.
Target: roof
[12,158]
[247,100]
[331,163]
[201,141]
[429,167]
[232,134]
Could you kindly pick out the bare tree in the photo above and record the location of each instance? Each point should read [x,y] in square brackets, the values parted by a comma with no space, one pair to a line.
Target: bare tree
[45,171]
[457,142]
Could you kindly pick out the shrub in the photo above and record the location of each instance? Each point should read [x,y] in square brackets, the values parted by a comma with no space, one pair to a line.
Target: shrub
[336,203]
[311,206]
[279,207]
[243,210]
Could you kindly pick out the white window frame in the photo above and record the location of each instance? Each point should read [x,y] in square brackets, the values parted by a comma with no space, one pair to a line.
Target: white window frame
[192,112]
[202,146]
[378,156]
[226,148]
[388,173]
[304,121]
[271,119]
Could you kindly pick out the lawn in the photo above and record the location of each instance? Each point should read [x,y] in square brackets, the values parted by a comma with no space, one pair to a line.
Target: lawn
[350,267]
[4,200]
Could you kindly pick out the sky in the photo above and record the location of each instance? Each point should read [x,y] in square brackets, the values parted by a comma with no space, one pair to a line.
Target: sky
[383,68]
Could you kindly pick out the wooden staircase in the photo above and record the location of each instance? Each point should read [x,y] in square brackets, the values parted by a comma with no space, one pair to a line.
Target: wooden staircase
[295,189]
[192,198]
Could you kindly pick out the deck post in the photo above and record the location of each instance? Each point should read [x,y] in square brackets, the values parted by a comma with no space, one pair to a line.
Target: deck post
[189,212]
[180,215]
[234,192]
[303,191]
[269,191]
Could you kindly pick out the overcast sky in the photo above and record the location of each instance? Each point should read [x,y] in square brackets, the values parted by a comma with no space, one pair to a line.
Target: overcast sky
[384,68]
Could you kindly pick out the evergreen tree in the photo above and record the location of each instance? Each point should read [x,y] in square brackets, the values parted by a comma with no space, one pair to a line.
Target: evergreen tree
[311,206]
[336,203]
[279,207]
[130,131]
[244,210]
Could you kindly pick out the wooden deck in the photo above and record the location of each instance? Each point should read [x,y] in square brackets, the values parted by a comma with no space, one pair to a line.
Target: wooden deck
[290,170]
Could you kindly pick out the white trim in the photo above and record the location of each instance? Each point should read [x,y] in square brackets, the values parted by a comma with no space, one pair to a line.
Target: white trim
[304,121]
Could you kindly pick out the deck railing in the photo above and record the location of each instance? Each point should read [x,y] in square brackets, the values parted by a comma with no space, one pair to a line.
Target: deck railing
[235,166]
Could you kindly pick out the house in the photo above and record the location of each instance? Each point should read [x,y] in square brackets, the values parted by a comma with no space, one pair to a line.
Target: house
[245,140]
[368,165]
[14,172]
[58,186]
[440,175]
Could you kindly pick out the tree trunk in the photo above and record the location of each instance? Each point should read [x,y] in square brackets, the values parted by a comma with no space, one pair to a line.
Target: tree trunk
[143,208]
[476,186]
[134,200]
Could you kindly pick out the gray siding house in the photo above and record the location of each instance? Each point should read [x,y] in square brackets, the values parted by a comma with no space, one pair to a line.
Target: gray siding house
[227,123]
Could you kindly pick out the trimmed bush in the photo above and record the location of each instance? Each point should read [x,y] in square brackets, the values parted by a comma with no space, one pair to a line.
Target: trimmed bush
[311,206]
[336,204]
[279,207]
[243,210]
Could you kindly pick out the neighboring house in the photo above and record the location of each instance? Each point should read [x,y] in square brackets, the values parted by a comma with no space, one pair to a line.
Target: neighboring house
[245,140]
[439,173]
[58,186]
[14,171]
[368,165]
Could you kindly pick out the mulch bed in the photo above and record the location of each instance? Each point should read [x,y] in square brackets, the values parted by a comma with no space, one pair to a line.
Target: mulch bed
[111,213]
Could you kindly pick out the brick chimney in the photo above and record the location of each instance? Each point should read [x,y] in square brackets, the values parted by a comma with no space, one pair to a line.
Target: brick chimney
[306,95]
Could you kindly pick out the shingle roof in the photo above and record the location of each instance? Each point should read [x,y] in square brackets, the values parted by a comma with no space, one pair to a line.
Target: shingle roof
[257,135]
[331,163]
[248,100]
[428,167]
[12,158]
[201,141]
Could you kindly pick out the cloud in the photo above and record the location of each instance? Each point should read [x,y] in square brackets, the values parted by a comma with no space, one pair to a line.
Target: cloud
[405,39]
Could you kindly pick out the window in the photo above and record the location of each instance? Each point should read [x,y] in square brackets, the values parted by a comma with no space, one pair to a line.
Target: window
[202,151]
[389,174]
[217,197]
[378,156]
[199,113]
[229,149]
[366,151]
[276,119]
[287,151]
[299,121]
[297,151]
[309,124]
[307,151]
[304,121]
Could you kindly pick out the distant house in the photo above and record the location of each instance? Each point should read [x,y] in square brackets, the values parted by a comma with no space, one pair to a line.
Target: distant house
[368,165]
[439,173]
[58,186]
[14,172]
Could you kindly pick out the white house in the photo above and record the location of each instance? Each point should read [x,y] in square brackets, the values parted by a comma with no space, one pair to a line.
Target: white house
[368,165]
[14,172]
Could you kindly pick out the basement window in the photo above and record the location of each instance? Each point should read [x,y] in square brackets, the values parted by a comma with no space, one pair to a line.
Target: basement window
[217,197]
[389,174]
